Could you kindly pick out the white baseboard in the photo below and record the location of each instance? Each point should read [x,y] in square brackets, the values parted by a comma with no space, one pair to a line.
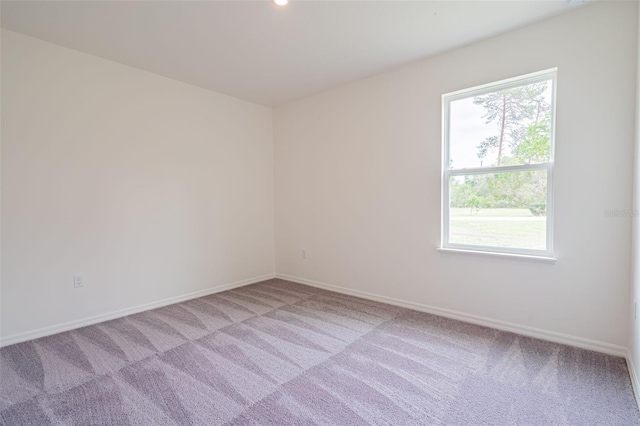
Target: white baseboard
[552,336]
[71,325]
[538,333]
[635,381]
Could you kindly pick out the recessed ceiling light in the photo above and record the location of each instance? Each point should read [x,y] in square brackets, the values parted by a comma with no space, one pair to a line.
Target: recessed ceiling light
[281,2]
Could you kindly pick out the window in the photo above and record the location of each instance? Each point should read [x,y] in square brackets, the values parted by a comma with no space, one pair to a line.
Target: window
[498,166]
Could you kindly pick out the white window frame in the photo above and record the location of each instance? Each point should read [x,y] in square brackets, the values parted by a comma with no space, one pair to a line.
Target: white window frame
[447,172]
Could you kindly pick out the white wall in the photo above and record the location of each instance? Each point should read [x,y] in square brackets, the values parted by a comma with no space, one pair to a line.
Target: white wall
[152,189]
[634,328]
[357,177]
[147,187]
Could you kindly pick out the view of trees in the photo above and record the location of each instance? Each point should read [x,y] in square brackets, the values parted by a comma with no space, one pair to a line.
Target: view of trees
[522,119]
[501,190]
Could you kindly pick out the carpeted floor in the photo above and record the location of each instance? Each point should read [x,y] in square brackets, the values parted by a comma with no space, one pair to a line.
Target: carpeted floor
[282,353]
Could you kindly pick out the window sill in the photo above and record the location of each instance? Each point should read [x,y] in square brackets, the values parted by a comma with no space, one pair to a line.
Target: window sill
[525,257]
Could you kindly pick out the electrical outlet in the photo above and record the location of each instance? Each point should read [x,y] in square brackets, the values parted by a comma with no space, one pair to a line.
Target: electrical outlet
[77,281]
[304,253]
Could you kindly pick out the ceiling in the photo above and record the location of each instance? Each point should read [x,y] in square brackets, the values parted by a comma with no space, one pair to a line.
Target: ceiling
[260,52]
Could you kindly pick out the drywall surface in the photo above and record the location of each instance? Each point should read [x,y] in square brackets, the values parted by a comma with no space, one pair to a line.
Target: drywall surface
[146,187]
[634,327]
[358,168]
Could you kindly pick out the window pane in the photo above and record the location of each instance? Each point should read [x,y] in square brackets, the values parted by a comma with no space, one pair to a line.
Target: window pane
[506,127]
[499,209]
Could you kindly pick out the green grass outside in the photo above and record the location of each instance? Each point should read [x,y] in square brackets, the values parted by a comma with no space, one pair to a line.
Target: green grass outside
[490,212]
[524,231]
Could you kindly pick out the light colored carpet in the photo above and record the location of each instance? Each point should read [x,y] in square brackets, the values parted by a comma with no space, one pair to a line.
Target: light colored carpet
[282,353]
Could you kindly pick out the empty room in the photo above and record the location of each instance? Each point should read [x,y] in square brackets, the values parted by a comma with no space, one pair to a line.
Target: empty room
[307,212]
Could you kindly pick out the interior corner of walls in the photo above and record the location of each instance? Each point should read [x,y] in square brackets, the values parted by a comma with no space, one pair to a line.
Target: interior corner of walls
[633,374]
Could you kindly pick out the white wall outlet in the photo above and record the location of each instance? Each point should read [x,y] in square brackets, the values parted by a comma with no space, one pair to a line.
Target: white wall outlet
[77,281]
[304,253]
